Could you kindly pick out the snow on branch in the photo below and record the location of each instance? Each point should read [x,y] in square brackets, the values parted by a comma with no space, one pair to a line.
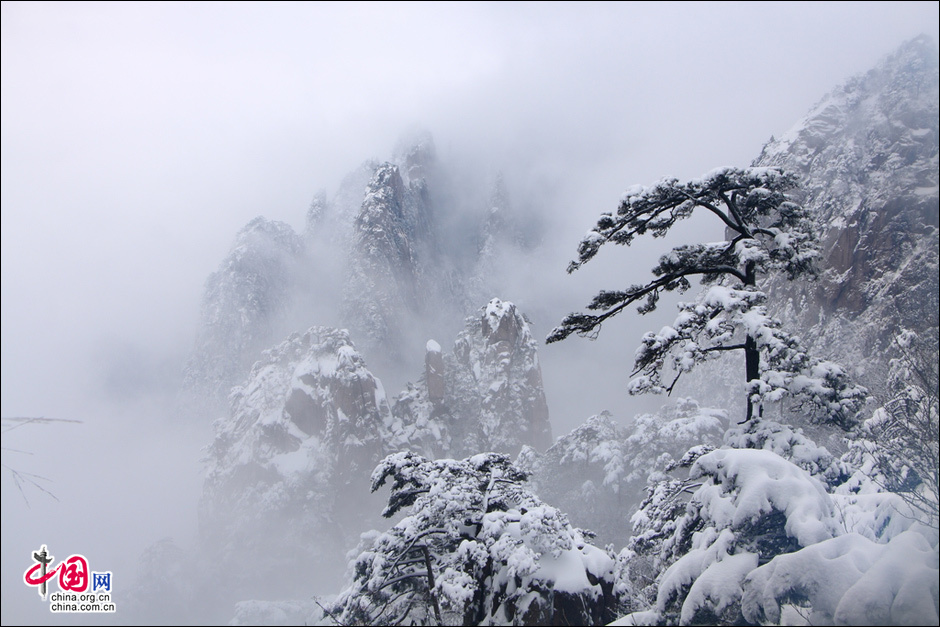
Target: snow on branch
[474,547]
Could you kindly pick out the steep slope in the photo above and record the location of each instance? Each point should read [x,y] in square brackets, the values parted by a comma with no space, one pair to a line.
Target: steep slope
[868,157]
[245,304]
[403,279]
[386,271]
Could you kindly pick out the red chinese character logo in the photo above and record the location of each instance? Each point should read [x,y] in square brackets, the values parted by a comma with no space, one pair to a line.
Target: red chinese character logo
[41,579]
[73,574]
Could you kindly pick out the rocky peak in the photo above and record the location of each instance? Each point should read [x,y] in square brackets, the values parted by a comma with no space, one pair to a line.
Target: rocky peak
[305,430]
[486,395]
[382,287]
[417,156]
[317,213]
[434,370]
[385,194]
[314,385]
[498,350]
[500,323]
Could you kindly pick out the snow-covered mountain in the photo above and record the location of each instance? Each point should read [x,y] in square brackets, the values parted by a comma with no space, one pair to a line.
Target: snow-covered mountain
[289,468]
[868,160]
[389,282]
[396,259]
[401,252]
[290,465]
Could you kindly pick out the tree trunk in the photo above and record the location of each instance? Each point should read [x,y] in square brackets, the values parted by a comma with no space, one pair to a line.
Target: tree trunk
[751,352]
[433,594]
[752,369]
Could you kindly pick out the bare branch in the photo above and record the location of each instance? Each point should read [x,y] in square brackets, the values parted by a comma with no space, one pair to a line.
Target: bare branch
[328,613]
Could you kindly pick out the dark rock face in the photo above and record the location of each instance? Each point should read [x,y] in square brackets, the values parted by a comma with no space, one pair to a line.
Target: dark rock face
[868,157]
[434,370]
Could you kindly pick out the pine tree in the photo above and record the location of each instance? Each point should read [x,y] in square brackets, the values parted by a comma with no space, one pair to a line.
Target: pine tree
[767,234]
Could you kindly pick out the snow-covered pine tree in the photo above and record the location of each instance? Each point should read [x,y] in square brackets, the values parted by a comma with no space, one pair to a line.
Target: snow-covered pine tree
[767,234]
[475,547]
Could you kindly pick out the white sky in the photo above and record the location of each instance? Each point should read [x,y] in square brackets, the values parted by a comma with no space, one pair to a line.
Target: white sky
[138,138]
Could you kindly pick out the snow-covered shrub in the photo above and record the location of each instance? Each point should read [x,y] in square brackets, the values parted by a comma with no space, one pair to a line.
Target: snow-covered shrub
[792,445]
[749,536]
[903,435]
[850,580]
[747,507]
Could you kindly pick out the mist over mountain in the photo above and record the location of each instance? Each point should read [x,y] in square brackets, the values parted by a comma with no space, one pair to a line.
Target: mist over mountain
[398,258]
[397,255]
[268,359]
[246,301]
